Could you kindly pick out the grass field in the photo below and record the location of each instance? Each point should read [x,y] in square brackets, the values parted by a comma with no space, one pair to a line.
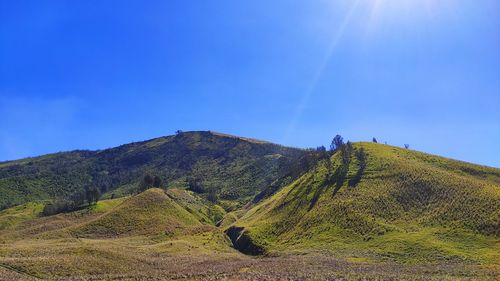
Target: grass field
[132,260]
[408,216]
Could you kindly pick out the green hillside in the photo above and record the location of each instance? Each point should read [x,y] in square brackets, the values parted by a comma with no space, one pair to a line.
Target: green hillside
[367,211]
[235,169]
[111,239]
[150,212]
[401,205]
[154,212]
[10,218]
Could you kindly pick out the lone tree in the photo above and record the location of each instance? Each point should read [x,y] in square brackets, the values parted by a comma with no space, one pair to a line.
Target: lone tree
[337,143]
[195,185]
[157,182]
[146,183]
[321,152]
[407,146]
[96,194]
[78,198]
[374,140]
[92,195]
[212,195]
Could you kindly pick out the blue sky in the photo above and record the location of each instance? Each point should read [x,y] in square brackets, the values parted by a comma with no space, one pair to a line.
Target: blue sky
[96,74]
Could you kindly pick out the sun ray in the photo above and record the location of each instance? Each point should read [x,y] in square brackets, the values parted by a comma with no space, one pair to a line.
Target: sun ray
[317,76]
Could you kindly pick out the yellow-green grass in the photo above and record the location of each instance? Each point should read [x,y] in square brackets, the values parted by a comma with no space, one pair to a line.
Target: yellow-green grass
[113,238]
[10,218]
[153,235]
[106,205]
[138,258]
[228,219]
[408,207]
[120,257]
[25,221]
[124,236]
[204,211]
[150,212]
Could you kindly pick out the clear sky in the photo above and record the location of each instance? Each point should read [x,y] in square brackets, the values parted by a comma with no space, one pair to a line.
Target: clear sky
[96,74]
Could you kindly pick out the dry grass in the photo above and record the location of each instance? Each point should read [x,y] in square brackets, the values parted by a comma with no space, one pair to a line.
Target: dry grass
[127,260]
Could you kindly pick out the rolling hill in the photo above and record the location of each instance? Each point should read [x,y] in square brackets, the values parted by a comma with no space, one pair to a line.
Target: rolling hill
[399,205]
[113,239]
[150,213]
[366,210]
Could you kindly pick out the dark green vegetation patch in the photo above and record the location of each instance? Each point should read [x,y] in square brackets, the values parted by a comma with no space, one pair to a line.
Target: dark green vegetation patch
[235,169]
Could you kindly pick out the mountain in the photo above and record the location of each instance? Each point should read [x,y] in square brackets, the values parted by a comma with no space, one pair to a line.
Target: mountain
[364,211]
[235,168]
[397,204]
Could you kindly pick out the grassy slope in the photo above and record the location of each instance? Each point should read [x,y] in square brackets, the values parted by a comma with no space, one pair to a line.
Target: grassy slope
[113,237]
[408,207]
[10,218]
[237,168]
[204,211]
[151,212]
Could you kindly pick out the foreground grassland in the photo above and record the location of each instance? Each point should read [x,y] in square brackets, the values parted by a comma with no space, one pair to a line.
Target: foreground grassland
[99,260]
[403,216]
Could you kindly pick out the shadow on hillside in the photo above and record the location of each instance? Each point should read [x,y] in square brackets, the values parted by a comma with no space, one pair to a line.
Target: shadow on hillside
[243,242]
[353,182]
[337,180]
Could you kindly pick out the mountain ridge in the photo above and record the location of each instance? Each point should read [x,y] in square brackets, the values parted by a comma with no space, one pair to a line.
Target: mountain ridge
[215,160]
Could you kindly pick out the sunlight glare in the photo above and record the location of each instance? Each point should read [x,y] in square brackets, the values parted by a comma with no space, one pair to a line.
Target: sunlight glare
[406,9]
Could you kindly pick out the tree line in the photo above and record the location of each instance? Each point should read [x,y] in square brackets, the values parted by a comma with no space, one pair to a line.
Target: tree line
[77,200]
[195,184]
[346,151]
[91,195]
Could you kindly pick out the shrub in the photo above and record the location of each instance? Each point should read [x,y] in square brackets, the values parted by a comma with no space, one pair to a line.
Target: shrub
[195,185]
[58,206]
